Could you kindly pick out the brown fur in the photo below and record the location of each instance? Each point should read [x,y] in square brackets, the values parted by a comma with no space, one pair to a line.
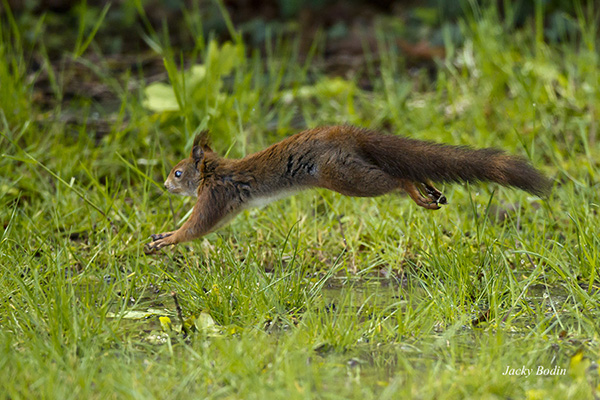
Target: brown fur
[348,160]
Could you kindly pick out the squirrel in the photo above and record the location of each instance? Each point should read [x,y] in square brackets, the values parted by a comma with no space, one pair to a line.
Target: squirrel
[346,159]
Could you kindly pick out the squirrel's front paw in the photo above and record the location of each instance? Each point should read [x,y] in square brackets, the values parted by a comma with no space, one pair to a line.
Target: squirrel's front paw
[159,241]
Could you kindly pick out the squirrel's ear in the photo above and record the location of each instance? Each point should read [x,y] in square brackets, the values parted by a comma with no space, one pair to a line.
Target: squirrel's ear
[200,146]
[197,153]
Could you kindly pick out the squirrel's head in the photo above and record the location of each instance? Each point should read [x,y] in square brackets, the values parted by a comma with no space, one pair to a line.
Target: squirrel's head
[185,177]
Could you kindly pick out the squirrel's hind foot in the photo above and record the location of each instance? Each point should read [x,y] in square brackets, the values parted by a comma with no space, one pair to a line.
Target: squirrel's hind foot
[424,194]
[433,193]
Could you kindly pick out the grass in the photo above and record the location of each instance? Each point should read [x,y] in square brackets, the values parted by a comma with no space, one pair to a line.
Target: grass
[315,296]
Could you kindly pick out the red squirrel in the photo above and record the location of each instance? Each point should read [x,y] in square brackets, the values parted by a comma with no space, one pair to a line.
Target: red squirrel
[349,160]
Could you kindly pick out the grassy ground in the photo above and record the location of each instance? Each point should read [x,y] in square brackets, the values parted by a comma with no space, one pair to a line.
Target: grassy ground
[319,295]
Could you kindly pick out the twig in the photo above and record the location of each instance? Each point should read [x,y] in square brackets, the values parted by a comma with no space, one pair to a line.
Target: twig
[179,314]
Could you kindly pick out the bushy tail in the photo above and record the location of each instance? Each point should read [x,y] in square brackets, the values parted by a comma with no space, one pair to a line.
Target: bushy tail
[419,161]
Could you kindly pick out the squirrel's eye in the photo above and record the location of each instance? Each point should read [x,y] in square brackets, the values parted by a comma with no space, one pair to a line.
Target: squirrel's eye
[178,174]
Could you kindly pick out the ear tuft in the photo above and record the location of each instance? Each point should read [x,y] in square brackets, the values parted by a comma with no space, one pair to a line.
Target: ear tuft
[201,138]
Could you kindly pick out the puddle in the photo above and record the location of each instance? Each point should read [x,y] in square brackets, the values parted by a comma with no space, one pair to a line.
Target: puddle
[381,299]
